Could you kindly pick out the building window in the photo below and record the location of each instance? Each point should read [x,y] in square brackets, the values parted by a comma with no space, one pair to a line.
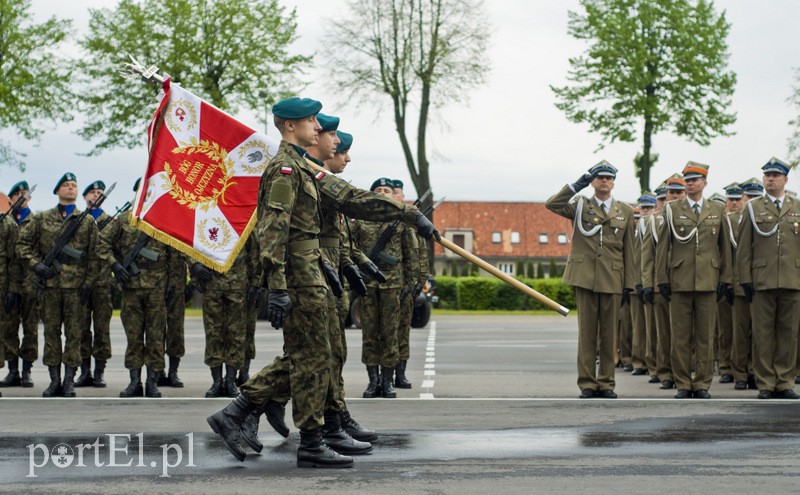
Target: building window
[515,238]
[458,240]
[562,238]
[506,268]
[497,238]
[543,239]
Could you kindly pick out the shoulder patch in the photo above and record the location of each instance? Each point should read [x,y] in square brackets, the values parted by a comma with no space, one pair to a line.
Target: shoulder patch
[286,170]
[280,195]
[320,175]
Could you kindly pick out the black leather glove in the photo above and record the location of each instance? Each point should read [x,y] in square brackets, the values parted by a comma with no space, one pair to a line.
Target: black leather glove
[120,274]
[372,270]
[354,278]
[405,291]
[626,296]
[200,272]
[417,290]
[169,293]
[666,291]
[278,306]
[425,227]
[749,292]
[11,302]
[253,293]
[640,293]
[729,294]
[583,181]
[333,280]
[648,295]
[188,292]
[84,293]
[43,271]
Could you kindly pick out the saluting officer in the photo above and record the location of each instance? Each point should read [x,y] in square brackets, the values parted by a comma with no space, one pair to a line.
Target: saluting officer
[693,262]
[600,267]
[769,246]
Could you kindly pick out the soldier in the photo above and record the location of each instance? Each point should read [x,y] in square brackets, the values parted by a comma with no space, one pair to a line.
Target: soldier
[254,293]
[176,312]
[601,268]
[8,281]
[288,227]
[408,298]
[24,310]
[381,307]
[144,294]
[99,309]
[647,331]
[752,188]
[693,261]
[769,245]
[67,292]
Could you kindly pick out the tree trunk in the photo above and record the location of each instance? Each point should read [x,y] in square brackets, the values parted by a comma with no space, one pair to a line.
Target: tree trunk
[646,161]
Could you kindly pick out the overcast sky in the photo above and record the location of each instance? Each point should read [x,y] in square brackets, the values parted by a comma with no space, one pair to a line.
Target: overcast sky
[509,143]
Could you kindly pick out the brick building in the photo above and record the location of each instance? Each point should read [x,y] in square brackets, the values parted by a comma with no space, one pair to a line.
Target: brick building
[505,234]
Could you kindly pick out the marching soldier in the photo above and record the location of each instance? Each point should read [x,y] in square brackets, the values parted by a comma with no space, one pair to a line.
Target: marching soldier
[693,264]
[769,245]
[67,292]
[600,267]
[99,309]
[24,309]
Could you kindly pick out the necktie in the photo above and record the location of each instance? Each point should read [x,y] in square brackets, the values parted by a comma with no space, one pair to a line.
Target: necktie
[696,208]
[778,204]
[603,208]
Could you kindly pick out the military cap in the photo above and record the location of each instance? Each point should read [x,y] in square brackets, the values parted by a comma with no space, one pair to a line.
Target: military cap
[604,169]
[136,184]
[327,122]
[637,213]
[718,198]
[64,178]
[776,165]
[98,184]
[676,184]
[382,182]
[753,187]
[694,170]
[19,186]
[733,191]
[345,141]
[661,193]
[647,200]
[398,184]
[296,108]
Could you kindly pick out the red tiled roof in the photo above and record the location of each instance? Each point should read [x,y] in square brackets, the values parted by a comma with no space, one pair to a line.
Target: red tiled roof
[485,218]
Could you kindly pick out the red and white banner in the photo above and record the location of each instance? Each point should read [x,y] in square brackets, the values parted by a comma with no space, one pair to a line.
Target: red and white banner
[200,190]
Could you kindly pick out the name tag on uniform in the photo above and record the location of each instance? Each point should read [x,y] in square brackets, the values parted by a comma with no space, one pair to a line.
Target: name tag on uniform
[621,219]
[712,217]
[683,217]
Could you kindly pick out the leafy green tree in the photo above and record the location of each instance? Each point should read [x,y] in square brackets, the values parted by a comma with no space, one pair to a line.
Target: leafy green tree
[34,78]
[654,65]
[553,272]
[794,139]
[232,53]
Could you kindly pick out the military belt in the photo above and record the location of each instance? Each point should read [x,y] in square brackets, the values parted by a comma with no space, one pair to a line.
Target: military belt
[329,242]
[69,260]
[298,246]
[151,265]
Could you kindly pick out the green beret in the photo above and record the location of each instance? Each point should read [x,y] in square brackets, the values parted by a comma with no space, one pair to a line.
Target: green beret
[136,184]
[64,178]
[19,186]
[296,108]
[327,122]
[98,184]
[345,141]
[398,184]
[382,182]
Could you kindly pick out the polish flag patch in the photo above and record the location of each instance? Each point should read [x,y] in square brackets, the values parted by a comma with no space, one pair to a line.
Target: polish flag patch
[286,170]
[320,175]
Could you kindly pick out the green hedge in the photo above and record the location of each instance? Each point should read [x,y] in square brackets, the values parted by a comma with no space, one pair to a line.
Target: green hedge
[491,293]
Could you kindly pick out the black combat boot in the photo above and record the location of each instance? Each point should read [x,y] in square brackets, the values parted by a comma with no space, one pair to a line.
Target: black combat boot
[249,430]
[173,380]
[355,430]
[244,373]
[134,388]
[374,387]
[227,424]
[314,453]
[151,385]
[54,389]
[216,384]
[161,379]
[231,390]
[12,379]
[387,384]
[25,380]
[275,413]
[336,438]
[68,386]
[85,378]
[99,368]
[400,380]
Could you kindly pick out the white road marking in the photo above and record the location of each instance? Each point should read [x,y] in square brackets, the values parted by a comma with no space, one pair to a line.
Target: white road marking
[430,359]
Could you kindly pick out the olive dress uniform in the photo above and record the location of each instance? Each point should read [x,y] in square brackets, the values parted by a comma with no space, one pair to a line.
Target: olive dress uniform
[742,344]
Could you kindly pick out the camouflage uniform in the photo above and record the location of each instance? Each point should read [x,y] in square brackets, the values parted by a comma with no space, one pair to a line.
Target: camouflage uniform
[176,307]
[144,310]
[254,274]
[8,239]
[407,306]
[98,312]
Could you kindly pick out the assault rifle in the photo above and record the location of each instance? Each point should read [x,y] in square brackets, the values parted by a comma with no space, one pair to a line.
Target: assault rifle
[104,223]
[17,205]
[61,246]
[138,249]
[377,253]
